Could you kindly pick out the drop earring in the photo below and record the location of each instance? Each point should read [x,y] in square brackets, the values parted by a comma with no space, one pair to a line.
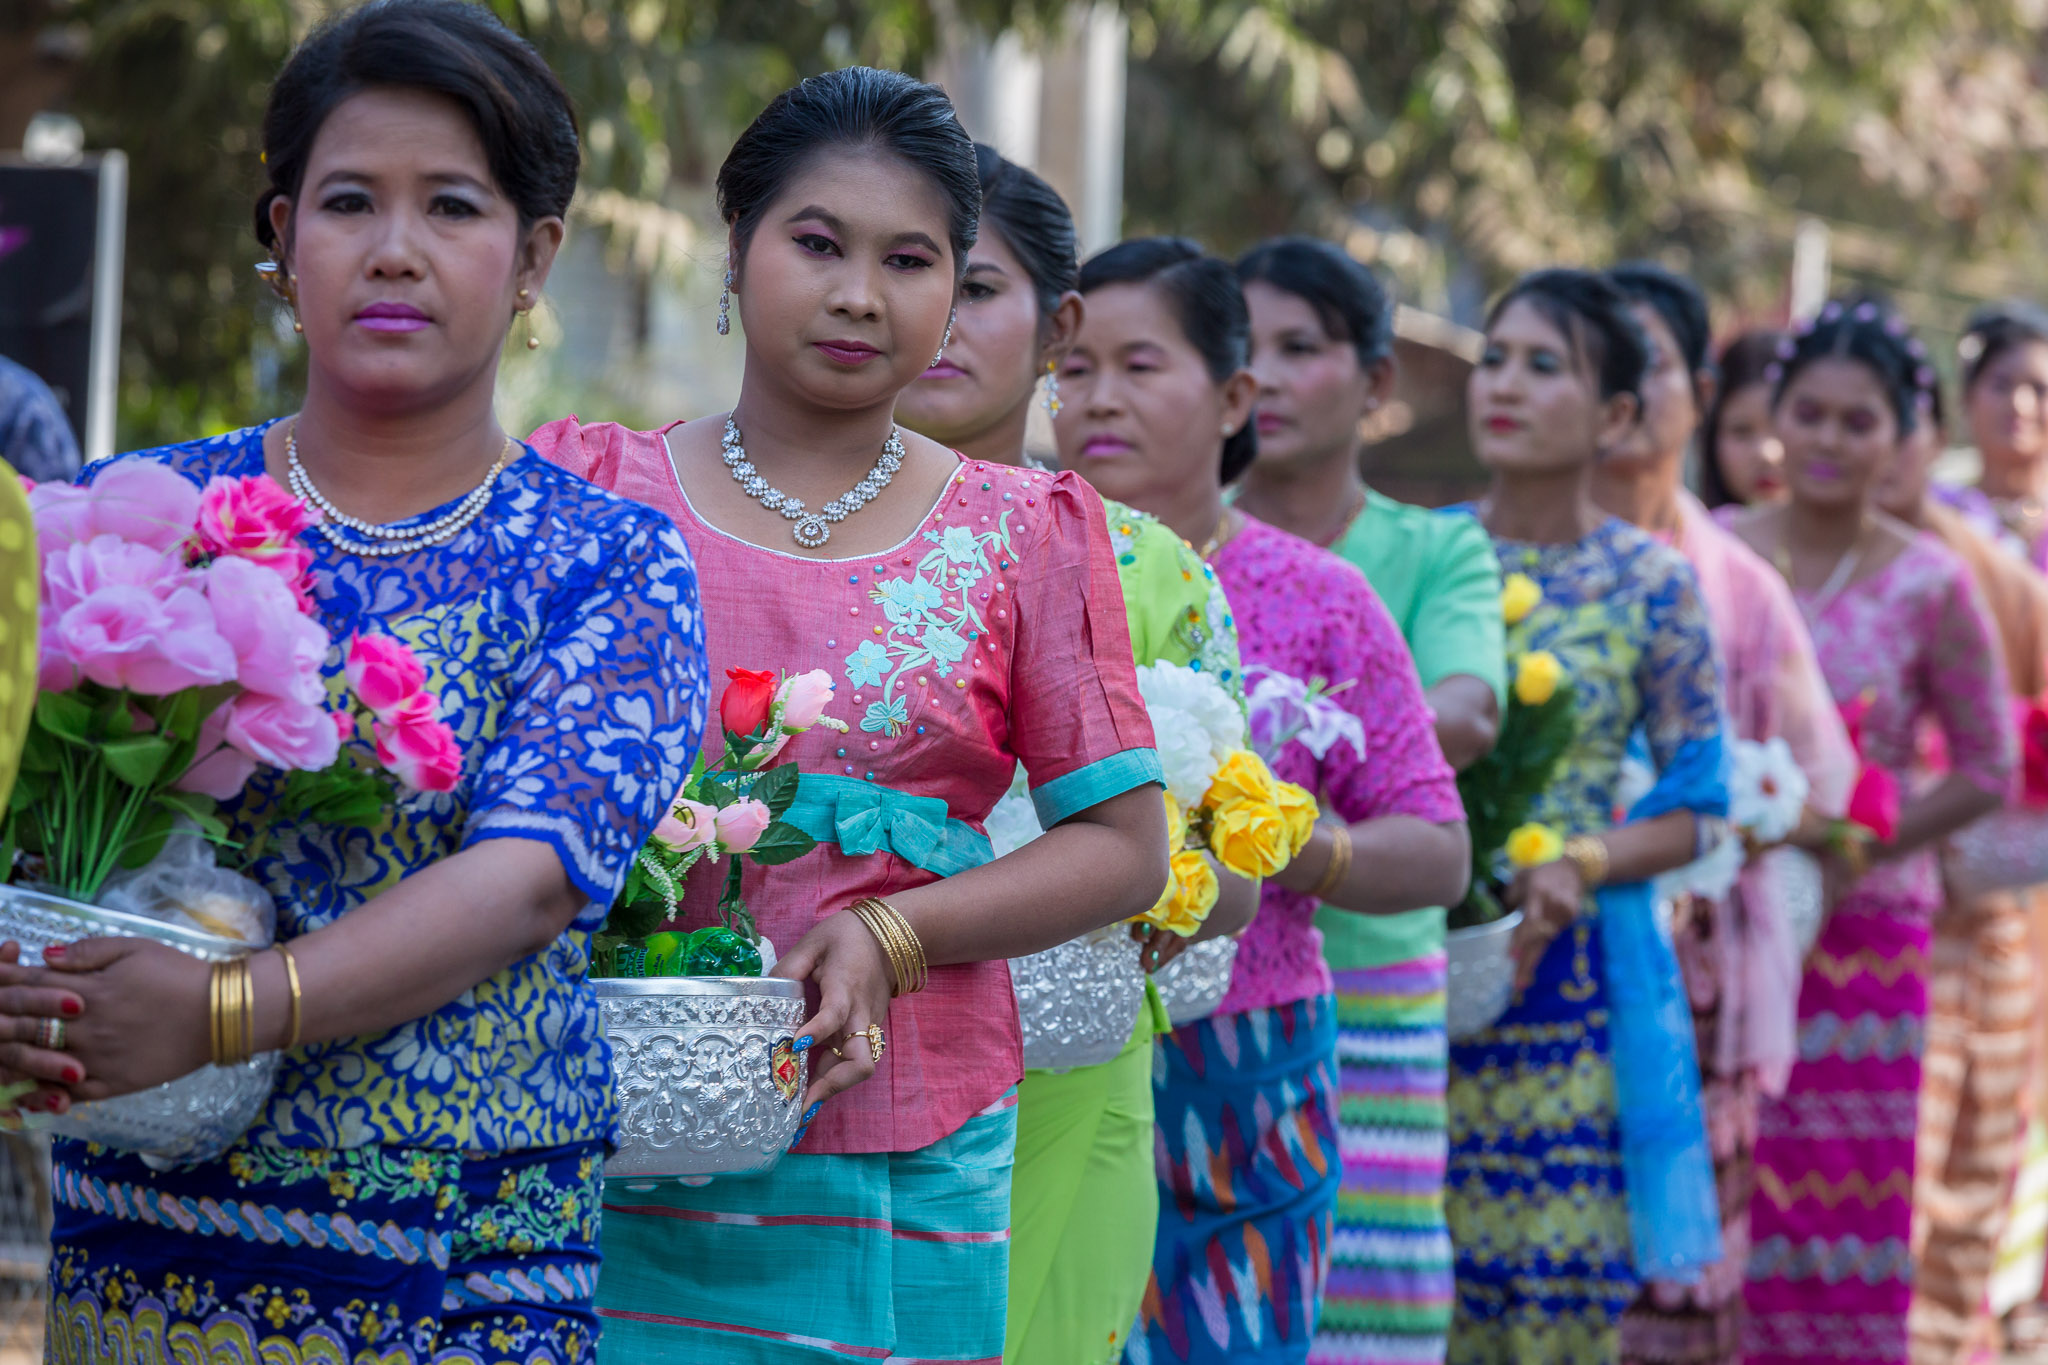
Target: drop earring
[725,305]
[285,285]
[946,340]
[1052,390]
[532,341]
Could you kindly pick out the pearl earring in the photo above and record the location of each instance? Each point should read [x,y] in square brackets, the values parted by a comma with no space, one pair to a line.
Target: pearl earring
[1052,390]
[725,305]
[532,341]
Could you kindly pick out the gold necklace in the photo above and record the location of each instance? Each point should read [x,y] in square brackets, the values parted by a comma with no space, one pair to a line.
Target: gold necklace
[1350,520]
[1227,527]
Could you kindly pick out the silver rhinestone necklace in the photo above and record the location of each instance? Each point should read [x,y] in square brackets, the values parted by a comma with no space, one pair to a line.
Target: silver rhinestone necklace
[371,538]
[811,529]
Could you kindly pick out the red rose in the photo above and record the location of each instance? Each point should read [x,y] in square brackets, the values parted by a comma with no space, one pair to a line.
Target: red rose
[749,697]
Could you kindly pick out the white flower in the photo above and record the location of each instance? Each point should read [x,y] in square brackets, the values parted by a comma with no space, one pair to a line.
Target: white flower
[1284,708]
[1195,723]
[1766,790]
[1014,821]
[1713,875]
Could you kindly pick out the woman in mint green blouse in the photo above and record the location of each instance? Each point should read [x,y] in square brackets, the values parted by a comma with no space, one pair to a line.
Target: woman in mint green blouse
[1322,336]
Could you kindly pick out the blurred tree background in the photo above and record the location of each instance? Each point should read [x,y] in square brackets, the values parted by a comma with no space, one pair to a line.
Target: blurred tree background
[1451,142]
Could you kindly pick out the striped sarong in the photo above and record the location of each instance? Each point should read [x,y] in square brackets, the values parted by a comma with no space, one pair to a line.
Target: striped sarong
[1389,1296]
[885,1256]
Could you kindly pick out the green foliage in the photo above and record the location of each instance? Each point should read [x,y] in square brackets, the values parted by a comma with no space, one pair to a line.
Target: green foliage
[1499,789]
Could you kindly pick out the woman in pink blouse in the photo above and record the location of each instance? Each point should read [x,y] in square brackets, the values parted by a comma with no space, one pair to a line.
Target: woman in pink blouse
[1904,640]
[1157,414]
[971,618]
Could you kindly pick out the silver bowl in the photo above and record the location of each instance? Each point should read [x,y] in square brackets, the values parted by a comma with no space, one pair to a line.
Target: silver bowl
[193,1118]
[1079,1002]
[1194,984]
[1480,979]
[695,1066]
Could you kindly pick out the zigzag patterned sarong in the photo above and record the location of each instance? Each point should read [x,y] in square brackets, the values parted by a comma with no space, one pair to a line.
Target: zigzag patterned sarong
[1829,1278]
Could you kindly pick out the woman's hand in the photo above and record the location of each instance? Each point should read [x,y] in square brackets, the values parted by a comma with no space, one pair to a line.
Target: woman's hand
[1157,947]
[1549,896]
[842,957]
[26,1003]
[144,1018]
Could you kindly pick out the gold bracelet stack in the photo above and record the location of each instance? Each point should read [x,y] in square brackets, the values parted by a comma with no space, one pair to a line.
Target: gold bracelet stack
[233,1013]
[898,940]
[291,976]
[1588,853]
[1340,862]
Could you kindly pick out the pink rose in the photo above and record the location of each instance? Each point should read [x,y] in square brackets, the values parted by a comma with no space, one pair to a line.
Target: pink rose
[689,825]
[344,725]
[254,518]
[146,502]
[63,515]
[78,570]
[124,636]
[418,749]
[384,674]
[804,698]
[220,771]
[740,824]
[281,732]
[278,651]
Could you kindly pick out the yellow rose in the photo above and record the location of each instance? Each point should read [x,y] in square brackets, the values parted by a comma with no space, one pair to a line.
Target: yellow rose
[1244,776]
[1537,677]
[1250,838]
[1532,844]
[1298,808]
[1189,896]
[1518,597]
[1176,825]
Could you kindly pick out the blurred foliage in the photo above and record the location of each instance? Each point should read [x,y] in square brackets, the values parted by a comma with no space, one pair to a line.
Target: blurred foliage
[1453,141]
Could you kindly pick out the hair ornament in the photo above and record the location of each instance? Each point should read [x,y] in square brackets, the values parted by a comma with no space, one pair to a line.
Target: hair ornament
[1969,346]
[1895,324]
[1866,311]
[1916,348]
[1785,349]
[1830,311]
[1804,327]
[1774,373]
[1924,377]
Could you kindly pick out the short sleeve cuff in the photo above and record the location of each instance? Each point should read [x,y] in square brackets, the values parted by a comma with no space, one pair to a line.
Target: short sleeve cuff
[1065,797]
[589,873]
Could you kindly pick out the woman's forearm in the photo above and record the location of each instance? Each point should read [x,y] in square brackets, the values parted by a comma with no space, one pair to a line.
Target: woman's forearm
[1467,719]
[411,950]
[1643,849]
[1952,803]
[1106,864]
[1398,863]
[1237,901]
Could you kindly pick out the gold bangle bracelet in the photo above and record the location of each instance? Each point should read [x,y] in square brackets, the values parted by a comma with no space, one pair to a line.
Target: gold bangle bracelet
[1340,862]
[892,950]
[1588,853]
[899,942]
[291,976]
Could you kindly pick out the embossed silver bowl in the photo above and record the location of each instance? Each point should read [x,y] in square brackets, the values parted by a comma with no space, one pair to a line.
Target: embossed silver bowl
[1079,1002]
[706,1080]
[190,1119]
[1481,976]
[1194,984]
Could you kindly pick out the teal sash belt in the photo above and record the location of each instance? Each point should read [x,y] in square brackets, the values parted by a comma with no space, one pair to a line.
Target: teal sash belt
[866,817]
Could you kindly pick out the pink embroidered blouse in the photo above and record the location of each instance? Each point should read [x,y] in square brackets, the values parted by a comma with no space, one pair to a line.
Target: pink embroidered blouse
[993,635]
[1302,611]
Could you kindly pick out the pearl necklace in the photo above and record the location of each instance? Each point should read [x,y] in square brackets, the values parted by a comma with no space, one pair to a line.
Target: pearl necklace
[385,540]
[811,529]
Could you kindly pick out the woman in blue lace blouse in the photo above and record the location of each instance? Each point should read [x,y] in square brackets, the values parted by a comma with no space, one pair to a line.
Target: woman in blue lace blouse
[424,1182]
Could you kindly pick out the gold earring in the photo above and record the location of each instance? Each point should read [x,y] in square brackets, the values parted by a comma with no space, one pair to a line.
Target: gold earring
[292,298]
[526,313]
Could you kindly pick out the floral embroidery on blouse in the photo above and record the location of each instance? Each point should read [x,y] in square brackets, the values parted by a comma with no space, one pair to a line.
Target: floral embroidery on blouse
[922,629]
[561,634]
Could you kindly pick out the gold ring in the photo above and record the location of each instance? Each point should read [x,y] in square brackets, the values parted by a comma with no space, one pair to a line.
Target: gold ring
[50,1034]
[872,1036]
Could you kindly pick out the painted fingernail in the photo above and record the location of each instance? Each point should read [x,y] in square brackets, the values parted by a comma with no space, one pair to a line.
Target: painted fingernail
[72,1008]
[812,1112]
[60,1104]
[804,1044]
[73,1075]
[799,1136]
[54,950]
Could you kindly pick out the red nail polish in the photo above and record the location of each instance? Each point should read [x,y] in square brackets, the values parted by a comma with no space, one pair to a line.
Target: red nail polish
[72,1008]
[72,1075]
[55,950]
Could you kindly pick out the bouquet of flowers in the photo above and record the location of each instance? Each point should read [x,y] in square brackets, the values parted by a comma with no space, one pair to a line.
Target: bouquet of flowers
[730,809]
[1500,788]
[1222,801]
[1875,799]
[178,655]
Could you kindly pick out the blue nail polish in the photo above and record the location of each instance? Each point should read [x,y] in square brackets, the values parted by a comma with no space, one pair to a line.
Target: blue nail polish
[799,1136]
[804,1043]
[812,1112]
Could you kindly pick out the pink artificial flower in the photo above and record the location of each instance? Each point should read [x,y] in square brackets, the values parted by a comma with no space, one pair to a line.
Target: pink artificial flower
[344,725]
[1874,803]
[689,825]
[221,770]
[124,636]
[384,674]
[146,502]
[278,651]
[63,515]
[740,824]
[281,732]
[804,698]
[78,570]
[254,518]
[418,749]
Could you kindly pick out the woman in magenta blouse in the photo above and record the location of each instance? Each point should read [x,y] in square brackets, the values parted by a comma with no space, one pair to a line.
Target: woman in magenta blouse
[1158,415]
[971,619]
